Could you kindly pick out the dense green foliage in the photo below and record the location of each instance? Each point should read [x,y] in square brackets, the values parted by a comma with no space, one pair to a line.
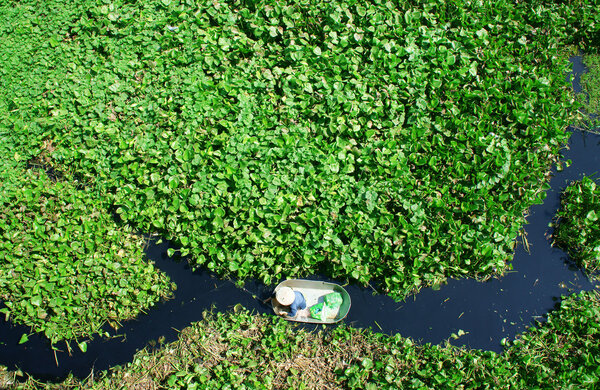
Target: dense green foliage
[577,227]
[590,98]
[401,143]
[260,352]
[366,140]
[65,266]
[565,352]
[590,82]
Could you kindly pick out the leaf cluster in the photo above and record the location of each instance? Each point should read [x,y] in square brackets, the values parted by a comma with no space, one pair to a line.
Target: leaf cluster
[284,140]
[396,143]
[577,230]
[564,352]
[65,266]
[590,95]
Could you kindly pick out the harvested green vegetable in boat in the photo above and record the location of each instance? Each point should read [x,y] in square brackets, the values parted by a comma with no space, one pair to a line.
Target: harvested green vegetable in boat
[319,311]
[333,300]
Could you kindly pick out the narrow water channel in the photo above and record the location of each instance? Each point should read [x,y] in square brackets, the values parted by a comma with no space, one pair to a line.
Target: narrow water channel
[488,312]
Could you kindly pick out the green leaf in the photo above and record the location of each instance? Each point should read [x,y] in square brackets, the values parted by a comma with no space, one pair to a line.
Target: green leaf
[367,363]
[592,216]
[36,301]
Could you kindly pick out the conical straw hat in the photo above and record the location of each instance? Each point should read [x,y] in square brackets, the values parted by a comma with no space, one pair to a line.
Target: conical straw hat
[285,296]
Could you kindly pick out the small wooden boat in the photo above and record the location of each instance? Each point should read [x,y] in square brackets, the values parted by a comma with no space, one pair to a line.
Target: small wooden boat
[314,291]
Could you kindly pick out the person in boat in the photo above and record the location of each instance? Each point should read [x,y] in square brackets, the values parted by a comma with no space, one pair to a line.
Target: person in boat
[285,296]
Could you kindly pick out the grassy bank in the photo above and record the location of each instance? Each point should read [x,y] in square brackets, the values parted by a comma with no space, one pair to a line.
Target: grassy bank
[246,351]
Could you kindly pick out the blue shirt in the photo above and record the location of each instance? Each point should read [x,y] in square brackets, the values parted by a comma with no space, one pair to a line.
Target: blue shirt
[299,303]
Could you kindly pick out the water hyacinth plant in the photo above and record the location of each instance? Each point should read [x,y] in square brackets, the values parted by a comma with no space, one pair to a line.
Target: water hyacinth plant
[370,142]
[66,267]
[577,230]
[590,96]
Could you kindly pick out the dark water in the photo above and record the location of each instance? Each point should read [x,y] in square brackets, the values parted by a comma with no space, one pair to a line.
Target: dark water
[488,311]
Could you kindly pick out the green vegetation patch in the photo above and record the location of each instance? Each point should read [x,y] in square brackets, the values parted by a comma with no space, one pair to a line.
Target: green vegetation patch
[366,141]
[400,143]
[66,267]
[565,351]
[246,351]
[577,227]
[590,96]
